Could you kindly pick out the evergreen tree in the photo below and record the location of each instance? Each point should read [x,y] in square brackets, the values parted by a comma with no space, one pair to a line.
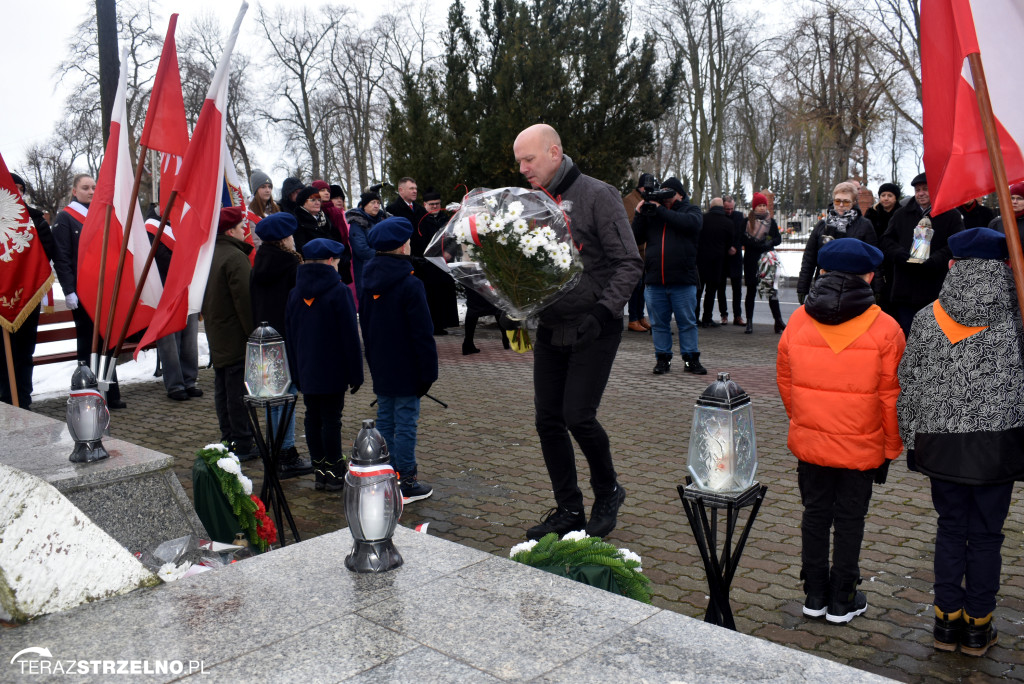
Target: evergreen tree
[564,64]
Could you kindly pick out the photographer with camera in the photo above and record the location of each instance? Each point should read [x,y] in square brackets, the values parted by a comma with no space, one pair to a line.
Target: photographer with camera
[670,226]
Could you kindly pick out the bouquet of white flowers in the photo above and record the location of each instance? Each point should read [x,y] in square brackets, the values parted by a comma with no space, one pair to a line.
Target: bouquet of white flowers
[513,246]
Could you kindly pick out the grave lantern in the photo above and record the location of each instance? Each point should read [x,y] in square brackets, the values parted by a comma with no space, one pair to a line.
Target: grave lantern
[87,416]
[723,449]
[266,363]
[373,503]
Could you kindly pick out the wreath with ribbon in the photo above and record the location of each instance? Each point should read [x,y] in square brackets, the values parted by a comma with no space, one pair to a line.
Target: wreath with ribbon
[252,515]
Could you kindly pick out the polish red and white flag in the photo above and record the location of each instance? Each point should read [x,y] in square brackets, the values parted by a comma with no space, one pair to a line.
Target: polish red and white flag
[955,154]
[25,273]
[114,189]
[199,185]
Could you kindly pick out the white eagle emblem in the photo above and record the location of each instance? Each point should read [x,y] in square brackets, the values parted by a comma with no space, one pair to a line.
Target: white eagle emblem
[15,226]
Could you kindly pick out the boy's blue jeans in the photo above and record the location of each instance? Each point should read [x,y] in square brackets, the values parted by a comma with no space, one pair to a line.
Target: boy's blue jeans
[396,421]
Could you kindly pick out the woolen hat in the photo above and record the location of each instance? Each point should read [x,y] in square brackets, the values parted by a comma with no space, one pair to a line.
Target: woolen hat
[919,179]
[849,255]
[229,218]
[758,200]
[978,243]
[322,248]
[674,183]
[320,185]
[290,185]
[890,187]
[257,179]
[305,193]
[1015,189]
[390,234]
[18,180]
[368,197]
[336,191]
[430,194]
[277,226]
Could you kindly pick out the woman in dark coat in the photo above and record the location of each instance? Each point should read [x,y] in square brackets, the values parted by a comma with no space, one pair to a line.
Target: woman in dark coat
[365,216]
[273,277]
[843,220]
[315,223]
[762,235]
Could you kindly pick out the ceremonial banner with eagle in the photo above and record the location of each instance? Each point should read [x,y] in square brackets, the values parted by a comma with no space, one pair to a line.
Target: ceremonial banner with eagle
[25,273]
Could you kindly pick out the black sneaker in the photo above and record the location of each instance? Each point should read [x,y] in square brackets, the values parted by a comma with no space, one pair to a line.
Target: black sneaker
[558,520]
[846,605]
[194,391]
[815,605]
[414,490]
[975,640]
[293,465]
[604,514]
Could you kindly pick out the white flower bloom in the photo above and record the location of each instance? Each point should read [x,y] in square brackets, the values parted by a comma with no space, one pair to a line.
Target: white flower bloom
[529,250]
[564,246]
[575,535]
[502,238]
[246,484]
[548,233]
[525,546]
[168,572]
[491,202]
[515,209]
[497,225]
[520,226]
[216,447]
[564,262]
[229,465]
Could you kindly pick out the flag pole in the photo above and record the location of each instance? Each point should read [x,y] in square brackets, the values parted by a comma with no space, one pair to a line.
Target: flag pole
[106,372]
[145,271]
[10,369]
[995,157]
[94,356]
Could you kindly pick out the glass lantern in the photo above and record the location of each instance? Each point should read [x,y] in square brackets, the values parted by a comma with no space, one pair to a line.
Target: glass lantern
[723,448]
[87,416]
[266,363]
[373,503]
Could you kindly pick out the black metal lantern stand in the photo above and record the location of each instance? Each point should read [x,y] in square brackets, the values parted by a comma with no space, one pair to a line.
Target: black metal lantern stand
[269,444]
[720,566]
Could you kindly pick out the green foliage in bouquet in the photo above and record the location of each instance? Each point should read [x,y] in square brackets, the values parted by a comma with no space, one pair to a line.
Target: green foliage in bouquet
[569,552]
[217,457]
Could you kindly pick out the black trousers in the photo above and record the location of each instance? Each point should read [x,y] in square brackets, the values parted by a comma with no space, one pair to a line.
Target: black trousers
[83,344]
[228,391]
[567,388]
[23,346]
[708,291]
[967,544]
[737,299]
[323,433]
[836,500]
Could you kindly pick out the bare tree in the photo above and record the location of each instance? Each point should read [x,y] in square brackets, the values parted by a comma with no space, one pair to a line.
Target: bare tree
[300,43]
[896,62]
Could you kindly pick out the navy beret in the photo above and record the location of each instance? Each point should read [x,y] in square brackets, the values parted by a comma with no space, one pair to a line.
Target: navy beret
[978,243]
[277,226]
[390,234]
[849,255]
[322,248]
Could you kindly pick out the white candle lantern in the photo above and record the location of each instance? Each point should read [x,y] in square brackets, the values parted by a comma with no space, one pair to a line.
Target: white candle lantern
[266,363]
[723,448]
[373,503]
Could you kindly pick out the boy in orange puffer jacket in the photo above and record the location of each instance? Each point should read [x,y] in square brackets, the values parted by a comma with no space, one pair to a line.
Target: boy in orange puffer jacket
[836,371]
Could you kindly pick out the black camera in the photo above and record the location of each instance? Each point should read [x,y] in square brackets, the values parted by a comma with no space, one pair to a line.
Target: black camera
[650,189]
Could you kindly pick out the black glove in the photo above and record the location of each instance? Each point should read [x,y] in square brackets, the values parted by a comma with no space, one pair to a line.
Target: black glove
[882,472]
[588,331]
[505,322]
[423,389]
[800,298]
[354,389]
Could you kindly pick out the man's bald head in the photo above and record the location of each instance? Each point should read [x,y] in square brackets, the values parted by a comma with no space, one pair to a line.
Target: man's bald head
[538,150]
[717,202]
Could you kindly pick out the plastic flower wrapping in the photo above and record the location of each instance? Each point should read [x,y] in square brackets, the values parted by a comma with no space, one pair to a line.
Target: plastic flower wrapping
[513,246]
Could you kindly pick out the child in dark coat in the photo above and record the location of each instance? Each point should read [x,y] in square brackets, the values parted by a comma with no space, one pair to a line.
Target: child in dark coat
[323,353]
[399,342]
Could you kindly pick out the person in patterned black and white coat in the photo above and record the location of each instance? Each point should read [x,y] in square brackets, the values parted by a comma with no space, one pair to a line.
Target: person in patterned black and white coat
[961,415]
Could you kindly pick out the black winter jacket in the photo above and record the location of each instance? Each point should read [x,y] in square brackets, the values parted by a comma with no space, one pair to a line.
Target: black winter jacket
[398,334]
[671,237]
[717,235]
[321,334]
[880,218]
[860,228]
[273,277]
[753,249]
[916,285]
[66,232]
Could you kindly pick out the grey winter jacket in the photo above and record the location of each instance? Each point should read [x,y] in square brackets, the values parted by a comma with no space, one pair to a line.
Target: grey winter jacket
[961,404]
[611,261]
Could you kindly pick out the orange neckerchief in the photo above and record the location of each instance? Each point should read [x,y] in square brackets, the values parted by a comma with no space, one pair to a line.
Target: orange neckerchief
[841,336]
[956,332]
